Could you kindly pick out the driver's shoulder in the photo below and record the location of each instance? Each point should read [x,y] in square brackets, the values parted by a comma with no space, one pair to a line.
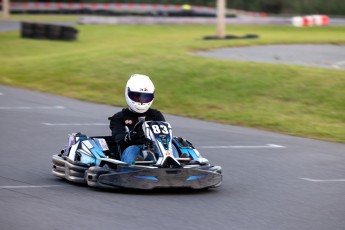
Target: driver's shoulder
[153,111]
[118,116]
[156,115]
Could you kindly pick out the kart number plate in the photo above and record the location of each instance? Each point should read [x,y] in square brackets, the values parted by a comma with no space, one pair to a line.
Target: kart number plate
[103,144]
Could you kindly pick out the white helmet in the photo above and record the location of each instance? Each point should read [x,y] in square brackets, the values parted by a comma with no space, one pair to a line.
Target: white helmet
[139,93]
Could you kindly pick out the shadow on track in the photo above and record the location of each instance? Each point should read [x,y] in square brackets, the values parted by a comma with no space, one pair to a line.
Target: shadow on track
[128,191]
[158,191]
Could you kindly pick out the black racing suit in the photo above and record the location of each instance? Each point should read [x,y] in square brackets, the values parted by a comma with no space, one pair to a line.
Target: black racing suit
[126,117]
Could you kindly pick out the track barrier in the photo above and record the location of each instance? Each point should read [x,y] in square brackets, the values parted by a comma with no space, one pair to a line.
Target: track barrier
[114,8]
[310,20]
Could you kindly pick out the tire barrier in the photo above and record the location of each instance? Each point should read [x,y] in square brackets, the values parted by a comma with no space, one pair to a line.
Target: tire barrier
[120,8]
[310,20]
[247,36]
[46,31]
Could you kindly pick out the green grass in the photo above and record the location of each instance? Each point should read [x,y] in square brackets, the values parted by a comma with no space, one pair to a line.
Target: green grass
[295,100]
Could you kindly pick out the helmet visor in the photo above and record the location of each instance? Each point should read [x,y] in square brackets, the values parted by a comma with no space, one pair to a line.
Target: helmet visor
[140,97]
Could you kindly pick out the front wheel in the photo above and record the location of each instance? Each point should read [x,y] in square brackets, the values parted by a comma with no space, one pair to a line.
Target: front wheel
[107,166]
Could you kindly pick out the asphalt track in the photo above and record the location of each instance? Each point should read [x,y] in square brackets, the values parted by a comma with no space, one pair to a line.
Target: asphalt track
[322,56]
[271,181]
[240,20]
[15,25]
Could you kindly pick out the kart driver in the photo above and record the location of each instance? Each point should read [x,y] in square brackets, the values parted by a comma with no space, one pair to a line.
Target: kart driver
[139,93]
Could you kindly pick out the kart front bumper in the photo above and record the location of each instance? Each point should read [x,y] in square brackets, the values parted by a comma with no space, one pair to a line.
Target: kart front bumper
[151,178]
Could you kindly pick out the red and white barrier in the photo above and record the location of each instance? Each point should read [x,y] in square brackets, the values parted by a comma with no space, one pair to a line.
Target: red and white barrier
[321,20]
[310,20]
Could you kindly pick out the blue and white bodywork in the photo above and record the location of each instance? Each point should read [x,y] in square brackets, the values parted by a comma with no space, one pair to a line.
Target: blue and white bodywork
[169,162]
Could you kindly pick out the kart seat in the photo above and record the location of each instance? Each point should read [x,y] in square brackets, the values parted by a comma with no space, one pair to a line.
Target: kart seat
[114,150]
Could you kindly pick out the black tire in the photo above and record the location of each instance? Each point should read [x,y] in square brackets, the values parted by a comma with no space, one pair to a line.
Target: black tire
[106,166]
[54,32]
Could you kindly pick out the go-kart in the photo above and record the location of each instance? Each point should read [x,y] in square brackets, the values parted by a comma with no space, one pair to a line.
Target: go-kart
[96,161]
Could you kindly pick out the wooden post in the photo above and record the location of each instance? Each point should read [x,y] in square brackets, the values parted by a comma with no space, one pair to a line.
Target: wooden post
[5,9]
[221,18]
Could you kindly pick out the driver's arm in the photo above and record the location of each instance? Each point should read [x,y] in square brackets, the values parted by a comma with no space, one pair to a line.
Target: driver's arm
[118,130]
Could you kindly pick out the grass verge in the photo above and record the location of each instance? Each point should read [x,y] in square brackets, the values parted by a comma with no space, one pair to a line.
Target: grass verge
[294,100]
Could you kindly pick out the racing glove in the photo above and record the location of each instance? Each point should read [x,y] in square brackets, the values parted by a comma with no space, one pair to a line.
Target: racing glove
[130,136]
[136,136]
